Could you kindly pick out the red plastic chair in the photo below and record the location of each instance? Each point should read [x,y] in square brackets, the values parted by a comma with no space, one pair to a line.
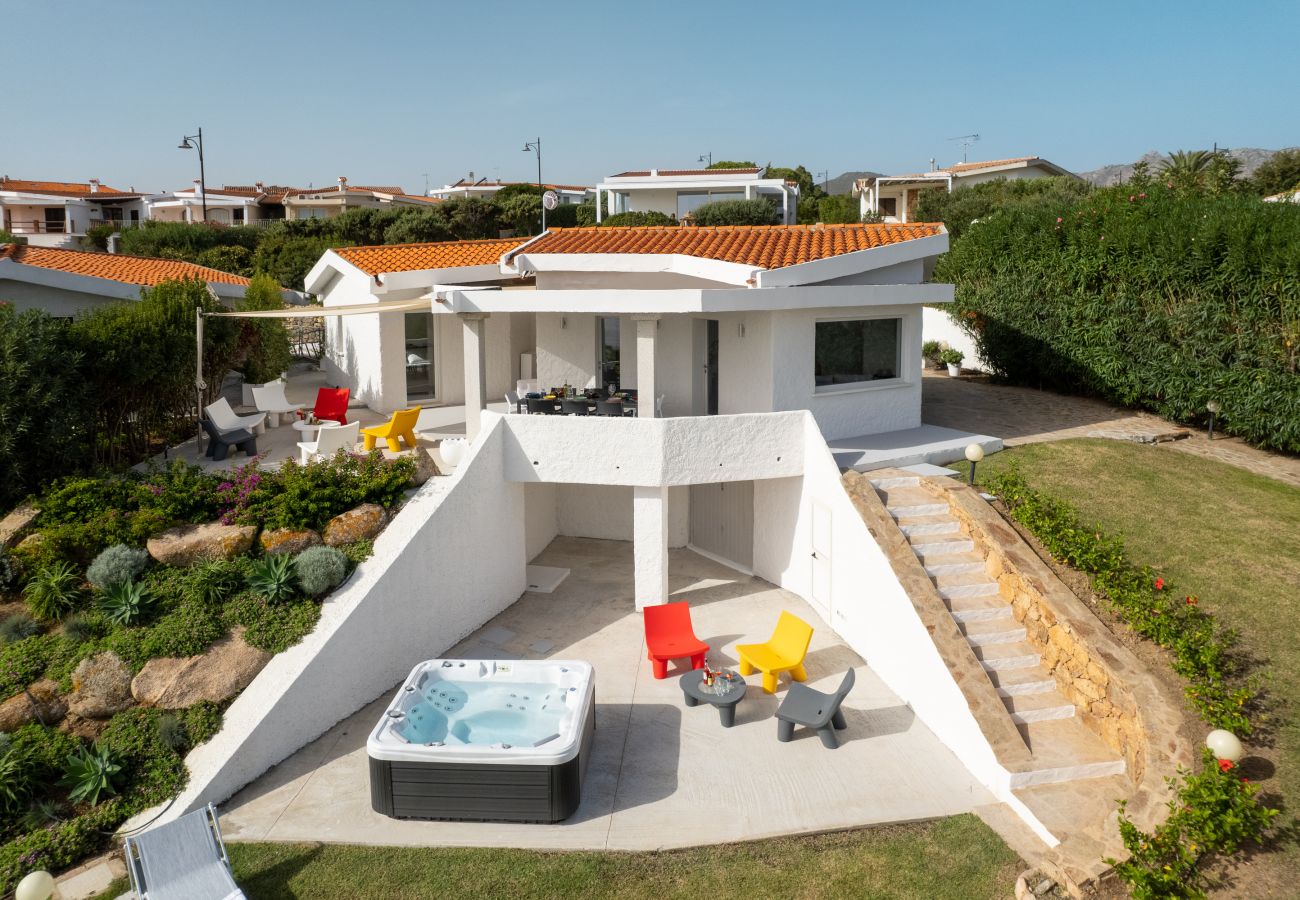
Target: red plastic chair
[669,635]
[332,403]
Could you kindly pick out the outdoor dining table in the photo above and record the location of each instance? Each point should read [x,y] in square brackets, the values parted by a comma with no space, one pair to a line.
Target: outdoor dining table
[629,406]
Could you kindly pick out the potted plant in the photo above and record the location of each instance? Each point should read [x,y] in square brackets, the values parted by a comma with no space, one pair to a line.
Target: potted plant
[952,359]
[930,352]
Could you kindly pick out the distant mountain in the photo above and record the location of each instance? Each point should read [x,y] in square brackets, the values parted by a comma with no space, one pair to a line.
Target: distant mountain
[843,184]
[1113,174]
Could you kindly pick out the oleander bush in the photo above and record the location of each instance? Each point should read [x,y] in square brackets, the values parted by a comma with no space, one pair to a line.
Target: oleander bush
[117,565]
[1146,296]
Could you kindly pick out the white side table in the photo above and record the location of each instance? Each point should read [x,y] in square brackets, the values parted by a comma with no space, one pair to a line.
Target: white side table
[309,429]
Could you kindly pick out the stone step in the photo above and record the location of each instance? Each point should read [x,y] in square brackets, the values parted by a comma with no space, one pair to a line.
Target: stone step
[895,481]
[999,613]
[929,547]
[966,591]
[1042,707]
[917,510]
[909,496]
[992,633]
[1023,682]
[928,526]
[962,579]
[1001,657]
[954,564]
[1076,806]
[1064,750]
[965,604]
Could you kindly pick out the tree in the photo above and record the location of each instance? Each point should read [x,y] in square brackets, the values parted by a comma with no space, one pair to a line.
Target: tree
[419,226]
[232,258]
[521,211]
[7,238]
[809,192]
[733,164]
[648,217]
[961,208]
[838,210]
[1278,174]
[737,212]
[1187,169]
[288,259]
[266,341]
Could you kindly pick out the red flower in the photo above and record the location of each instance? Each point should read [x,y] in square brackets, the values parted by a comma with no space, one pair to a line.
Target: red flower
[1160,584]
[1059,220]
[1191,601]
[1245,781]
[1225,765]
[1142,196]
[1131,198]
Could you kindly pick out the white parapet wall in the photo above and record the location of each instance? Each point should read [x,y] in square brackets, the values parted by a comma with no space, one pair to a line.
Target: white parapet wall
[450,560]
[937,325]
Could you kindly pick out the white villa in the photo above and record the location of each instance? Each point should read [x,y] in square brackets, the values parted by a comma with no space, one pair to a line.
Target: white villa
[482,189]
[677,192]
[324,203]
[894,197]
[58,213]
[226,205]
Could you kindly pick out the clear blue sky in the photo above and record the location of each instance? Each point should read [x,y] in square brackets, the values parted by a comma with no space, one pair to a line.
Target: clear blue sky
[383,92]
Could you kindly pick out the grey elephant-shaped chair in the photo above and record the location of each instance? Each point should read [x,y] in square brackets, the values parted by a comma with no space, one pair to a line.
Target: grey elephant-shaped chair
[813,709]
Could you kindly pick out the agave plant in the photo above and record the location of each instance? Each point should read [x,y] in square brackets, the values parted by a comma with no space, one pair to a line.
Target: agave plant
[274,578]
[124,602]
[88,773]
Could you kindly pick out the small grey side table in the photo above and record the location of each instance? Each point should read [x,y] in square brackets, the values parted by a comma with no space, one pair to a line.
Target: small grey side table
[692,690]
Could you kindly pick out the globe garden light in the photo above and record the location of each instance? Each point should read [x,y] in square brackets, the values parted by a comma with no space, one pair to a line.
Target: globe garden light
[35,886]
[974,453]
[1225,745]
[1213,406]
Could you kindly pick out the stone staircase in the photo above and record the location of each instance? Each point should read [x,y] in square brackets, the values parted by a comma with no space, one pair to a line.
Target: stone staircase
[1063,749]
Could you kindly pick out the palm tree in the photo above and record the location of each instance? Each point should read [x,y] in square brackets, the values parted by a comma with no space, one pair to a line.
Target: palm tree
[1187,168]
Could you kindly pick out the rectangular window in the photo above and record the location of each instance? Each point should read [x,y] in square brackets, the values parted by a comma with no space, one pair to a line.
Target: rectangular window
[135,215]
[857,350]
[609,352]
[55,219]
[238,215]
[887,206]
[690,201]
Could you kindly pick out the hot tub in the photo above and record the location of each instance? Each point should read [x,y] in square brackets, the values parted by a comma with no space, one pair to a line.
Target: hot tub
[483,740]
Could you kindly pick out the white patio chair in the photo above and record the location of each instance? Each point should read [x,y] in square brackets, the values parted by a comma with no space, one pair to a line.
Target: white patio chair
[223,418]
[329,440]
[524,386]
[184,859]
[270,399]
[659,406]
[512,402]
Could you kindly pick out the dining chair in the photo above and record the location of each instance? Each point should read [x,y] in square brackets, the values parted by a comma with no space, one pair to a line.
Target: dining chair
[541,406]
[609,408]
[575,408]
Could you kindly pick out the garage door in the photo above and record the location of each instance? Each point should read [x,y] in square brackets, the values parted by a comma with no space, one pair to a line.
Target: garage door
[722,521]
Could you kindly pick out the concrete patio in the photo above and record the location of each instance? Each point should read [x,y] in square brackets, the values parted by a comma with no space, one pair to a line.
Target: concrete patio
[660,775]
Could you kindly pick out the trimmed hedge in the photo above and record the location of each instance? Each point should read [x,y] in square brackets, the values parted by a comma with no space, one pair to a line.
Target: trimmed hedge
[1147,297]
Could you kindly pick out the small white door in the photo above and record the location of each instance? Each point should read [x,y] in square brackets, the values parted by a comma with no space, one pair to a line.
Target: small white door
[821,559]
[722,521]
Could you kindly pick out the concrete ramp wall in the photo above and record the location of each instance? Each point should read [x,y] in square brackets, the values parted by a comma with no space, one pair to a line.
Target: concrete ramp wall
[451,559]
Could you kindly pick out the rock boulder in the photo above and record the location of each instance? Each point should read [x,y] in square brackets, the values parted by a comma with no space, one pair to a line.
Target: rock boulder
[15,523]
[288,540]
[218,674]
[191,544]
[101,686]
[41,702]
[361,524]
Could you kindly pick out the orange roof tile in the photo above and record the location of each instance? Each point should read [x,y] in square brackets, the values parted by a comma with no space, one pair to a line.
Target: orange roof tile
[761,246]
[415,257]
[645,173]
[989,164]
[484,183]
[59,188]
[141,270]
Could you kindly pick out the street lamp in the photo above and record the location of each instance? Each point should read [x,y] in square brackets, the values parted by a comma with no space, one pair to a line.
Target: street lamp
[1214,407]
[536,147]
[203,185]
[974,453]
[707,156]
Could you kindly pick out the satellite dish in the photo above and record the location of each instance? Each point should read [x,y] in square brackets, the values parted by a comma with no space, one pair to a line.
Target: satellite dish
[550,199]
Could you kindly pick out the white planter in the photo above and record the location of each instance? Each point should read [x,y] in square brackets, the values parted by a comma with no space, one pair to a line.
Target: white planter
[452,450]
[954,370]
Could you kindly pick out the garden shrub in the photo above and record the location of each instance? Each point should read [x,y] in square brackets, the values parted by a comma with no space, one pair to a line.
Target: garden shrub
[17,627]
[10,572]
[53,591]
[1153,298]
[648,217]
[1147,604]
[118,564]
[737,212]
[266,341]
[179,492]
[34,757]
[320,570]
[309,496]
[172,733]
[24,661]
[358,551]
[88,773]
[273,579]
[187,630]
[214,581]
[125,602]
[85,626]
[273,628]
[202,722]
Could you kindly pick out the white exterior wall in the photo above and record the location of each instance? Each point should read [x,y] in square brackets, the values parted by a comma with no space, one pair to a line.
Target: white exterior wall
[453,558]
[541,518]
[55,301]
[1008,174]
[605,511]
[937,325]
[566,350]
[677,367]
[745,371]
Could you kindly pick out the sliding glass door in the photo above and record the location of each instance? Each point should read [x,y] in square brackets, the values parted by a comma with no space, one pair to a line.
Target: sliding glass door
[419,357]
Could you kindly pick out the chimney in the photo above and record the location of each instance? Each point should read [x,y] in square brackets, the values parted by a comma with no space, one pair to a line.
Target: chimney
[94,185]
[198,188]
[260,187]
[343,184]
[654,172]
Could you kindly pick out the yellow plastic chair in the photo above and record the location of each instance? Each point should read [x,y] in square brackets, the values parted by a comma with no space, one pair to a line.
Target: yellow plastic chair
[401,425]
[784,652]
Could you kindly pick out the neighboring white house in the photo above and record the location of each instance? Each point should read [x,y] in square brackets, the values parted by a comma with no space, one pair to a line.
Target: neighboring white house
[325,203]
[65,282]
[483,189]
[58,213]
[226,205]
[894,197]
[677,192]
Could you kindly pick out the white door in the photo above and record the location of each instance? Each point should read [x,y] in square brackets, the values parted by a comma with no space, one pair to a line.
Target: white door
[820,552]
[722,522]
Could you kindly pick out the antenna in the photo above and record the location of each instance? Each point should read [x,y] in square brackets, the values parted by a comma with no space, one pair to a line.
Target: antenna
[966,140]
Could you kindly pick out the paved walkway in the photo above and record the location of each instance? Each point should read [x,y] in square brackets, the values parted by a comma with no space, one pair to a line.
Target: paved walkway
[660,775]
[1026,416]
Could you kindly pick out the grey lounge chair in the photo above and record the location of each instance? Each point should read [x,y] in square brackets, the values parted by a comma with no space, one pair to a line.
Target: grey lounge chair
[813,709]
[219,443]
[184,859]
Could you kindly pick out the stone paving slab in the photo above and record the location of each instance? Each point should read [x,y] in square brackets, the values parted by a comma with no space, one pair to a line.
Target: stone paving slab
[660,775]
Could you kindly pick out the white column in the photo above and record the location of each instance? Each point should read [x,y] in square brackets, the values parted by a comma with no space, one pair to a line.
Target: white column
[599,217]
[650,545]
[785,206]
[647,333]
[474,326]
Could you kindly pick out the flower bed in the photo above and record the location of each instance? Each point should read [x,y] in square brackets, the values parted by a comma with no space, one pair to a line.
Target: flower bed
[85,610]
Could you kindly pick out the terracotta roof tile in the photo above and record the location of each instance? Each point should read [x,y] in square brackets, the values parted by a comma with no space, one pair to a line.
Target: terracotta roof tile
[484,183]
[59,188]
[749,170]
[415,257]
[989,164]
[141,270]
[761,246]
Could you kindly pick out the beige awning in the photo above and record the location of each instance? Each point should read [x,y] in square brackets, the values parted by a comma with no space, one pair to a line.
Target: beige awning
[312,312]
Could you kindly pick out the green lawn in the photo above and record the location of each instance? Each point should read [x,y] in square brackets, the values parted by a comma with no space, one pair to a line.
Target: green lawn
[958,858]
[1228,536]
